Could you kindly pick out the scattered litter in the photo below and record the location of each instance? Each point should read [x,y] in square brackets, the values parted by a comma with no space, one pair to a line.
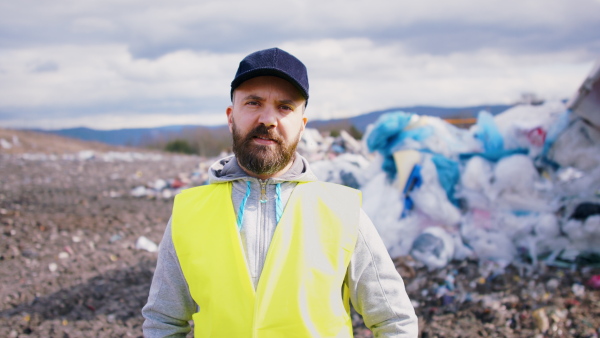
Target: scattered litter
[5,144]
[144,243]
[541,320]
[115,238]
[138,191]
[578,290]
[52,267]
[594,282]
[434,247]
[86,155]
[69,250]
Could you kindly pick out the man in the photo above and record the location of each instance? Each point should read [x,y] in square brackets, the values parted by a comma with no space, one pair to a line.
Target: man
[265,250]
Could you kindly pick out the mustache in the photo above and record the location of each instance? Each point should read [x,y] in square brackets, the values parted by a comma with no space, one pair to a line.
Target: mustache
[264,132]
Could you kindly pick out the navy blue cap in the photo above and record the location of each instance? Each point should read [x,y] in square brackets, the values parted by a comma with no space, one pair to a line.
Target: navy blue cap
[272,62]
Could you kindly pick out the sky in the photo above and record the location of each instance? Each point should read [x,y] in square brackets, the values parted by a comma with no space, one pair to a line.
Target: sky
[115,64]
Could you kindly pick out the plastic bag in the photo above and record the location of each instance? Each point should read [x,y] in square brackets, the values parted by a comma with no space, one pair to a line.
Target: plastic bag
[431,199]
[514,185]
[383,203]
[386,132]
[528,127]
[577,147]
[448,175]
[488,244]
[434,247]
[346,169]
[476,183]
[388,135]
[487,132]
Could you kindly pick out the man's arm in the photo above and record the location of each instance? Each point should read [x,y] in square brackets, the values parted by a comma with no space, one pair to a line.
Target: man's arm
[170,305]
[376,289]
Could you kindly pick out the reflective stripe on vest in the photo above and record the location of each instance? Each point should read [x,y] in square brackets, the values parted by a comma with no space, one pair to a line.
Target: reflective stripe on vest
[299,293]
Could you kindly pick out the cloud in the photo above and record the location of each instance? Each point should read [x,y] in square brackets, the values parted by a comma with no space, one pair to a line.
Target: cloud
[356,76]
[108,74]
[148,60]
[154,28]
[45,66]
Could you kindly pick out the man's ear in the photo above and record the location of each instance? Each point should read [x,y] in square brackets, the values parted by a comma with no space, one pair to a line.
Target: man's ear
[303,126]
[229,112]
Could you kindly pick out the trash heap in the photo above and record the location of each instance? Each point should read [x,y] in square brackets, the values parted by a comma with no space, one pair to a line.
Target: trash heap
[520,187]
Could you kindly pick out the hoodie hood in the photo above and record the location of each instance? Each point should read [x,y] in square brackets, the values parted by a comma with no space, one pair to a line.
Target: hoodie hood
[227,169]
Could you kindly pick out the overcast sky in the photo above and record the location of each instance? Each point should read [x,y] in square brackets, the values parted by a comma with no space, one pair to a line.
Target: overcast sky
[131,63]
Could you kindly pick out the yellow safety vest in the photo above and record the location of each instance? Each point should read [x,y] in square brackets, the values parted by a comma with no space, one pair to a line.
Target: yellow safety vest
[301,291]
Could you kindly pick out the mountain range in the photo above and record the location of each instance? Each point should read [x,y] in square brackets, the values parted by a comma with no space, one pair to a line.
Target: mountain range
[143,136]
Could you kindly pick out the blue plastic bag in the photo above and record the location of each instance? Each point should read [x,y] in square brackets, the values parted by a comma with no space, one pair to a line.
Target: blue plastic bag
[415,180]
[488,133]
[448,175]
[388,134]
[387,130]
[562,122]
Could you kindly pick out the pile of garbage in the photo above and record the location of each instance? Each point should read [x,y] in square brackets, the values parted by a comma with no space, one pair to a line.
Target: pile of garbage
[519,187]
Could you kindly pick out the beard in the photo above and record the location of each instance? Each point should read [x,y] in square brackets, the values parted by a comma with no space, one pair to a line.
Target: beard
[262,159]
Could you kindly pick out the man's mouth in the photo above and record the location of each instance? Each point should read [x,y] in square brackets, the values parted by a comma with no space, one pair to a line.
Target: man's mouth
[264,140]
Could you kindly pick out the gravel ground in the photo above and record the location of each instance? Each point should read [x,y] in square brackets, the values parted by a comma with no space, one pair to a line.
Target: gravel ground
[68,261]
[69,266]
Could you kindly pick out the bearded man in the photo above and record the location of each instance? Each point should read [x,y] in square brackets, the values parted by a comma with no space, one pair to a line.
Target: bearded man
[266,250]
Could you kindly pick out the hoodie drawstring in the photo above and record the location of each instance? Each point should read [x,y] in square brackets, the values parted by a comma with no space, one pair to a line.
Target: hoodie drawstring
[240,216]
[278,207]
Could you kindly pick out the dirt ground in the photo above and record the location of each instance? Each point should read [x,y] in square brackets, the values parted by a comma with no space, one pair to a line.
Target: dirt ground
[69,266]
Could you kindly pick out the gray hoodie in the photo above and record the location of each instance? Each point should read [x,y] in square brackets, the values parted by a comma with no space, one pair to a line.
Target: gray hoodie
[376,289]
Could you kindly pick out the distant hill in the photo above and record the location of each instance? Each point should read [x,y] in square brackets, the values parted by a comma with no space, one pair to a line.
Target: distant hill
[158,136]
[126,137]
[27,141]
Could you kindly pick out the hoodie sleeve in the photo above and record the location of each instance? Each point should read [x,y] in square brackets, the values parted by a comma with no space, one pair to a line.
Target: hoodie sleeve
[376,289]
[170,305]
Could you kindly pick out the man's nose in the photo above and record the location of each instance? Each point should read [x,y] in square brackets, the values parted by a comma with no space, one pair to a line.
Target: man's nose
[268,117]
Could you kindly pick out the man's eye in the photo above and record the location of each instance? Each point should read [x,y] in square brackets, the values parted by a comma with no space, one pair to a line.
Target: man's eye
[286,108]
[252,103]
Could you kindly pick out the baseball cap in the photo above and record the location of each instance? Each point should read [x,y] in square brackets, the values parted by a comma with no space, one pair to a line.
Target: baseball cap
[272,62]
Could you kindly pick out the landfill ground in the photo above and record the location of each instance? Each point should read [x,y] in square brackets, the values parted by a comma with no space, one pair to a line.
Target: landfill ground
[69,266]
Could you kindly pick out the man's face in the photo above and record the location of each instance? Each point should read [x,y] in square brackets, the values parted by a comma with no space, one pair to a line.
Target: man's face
[267,121]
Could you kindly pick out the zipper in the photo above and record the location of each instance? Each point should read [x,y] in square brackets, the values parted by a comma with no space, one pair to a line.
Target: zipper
[263,191]
[262,233]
